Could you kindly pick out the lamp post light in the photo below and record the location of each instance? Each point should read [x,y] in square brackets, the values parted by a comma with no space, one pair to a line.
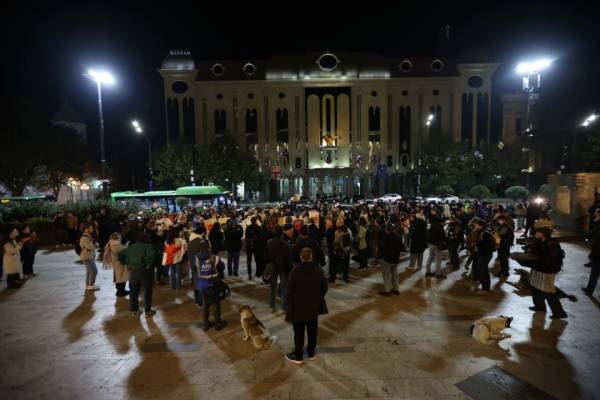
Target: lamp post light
[138,129]
[101,77]
[84,188]
[428,122]
[531,73]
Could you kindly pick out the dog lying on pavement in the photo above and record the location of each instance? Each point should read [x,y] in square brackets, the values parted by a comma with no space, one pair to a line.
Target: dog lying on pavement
[488,330]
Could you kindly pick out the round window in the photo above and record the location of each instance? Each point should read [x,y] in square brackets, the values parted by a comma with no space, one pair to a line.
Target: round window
[250,95]
[328,62]
[249,69]
[179,87]
[281,95]
[436,92]
[475,81]
[405,66]
[218,69]
[374,93]
[404,93]
[219,96]
[437,65]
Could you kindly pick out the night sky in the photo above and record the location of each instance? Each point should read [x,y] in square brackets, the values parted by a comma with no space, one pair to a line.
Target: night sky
[48,48]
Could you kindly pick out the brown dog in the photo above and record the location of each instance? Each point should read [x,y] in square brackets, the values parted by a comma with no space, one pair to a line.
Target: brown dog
[254,329]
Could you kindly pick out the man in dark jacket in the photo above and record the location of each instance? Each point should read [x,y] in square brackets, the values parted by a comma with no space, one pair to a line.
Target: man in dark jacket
[436,237]
[279,254]
[306,241]
[390,252]
[233,245]
[418,240]
[594,255]
[252,242]
[455,235]
[305,297]
[505,232]
[484,249]
[139,258]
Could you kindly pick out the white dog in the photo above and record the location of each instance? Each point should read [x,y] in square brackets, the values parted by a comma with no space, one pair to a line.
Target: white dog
[488,330]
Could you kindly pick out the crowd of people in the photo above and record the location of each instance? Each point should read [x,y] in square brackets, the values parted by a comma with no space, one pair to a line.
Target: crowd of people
[204,245]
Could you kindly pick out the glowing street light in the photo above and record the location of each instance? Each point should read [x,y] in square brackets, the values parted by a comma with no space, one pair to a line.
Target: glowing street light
[101,78]
[533,67]
[138,128]
[589,120]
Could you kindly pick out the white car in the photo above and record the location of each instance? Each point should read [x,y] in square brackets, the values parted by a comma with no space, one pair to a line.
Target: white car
[390,198]
[448,199]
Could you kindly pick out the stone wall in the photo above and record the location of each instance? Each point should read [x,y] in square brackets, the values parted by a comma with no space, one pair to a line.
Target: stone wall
[572,196]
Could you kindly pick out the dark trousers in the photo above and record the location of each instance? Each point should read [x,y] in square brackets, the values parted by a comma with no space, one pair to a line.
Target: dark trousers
[120,287]
[161,273]
[529,227]
[482,271]
[259,256]
[594,273]
[12,280]
[198,297]
[340,265]
[503,253]
[137,279]
[453,252]
[283,279]
[206,309]
[540,298]
[233,262]
[28,264]
[363,257]
[249,254]
[311,332]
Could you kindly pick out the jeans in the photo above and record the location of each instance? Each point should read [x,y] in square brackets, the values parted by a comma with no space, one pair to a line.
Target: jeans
[363,256]
[206,309]
[416,258]
[594,273]
[175,275]
[249,254]
[481,270]
[90,271]
[233,262]
[435,255]
[390,275]
[283,282]
[540,298]
[311,332]
[453,252]
[503,254]
[137,279]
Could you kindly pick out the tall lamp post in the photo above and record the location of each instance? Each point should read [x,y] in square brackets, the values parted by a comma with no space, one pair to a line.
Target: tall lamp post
[101,77]
[531,73]
[428,122]
[138,129]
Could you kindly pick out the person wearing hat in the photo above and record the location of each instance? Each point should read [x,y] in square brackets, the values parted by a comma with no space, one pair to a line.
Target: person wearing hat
[543,273]
[390,252]
[484,249]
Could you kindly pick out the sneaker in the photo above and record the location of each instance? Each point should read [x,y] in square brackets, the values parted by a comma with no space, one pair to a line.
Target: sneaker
[385,294]
[136,313]
[429,274]
[396,292]
[440,276]
[313,357]
[207,326]
[291,357]
[220,325]
[150,313]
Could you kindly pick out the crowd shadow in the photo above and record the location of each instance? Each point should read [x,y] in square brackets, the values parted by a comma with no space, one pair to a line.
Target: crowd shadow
[74,322]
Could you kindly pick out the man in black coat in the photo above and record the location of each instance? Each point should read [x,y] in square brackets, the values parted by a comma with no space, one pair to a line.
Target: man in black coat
[233,245]
[304,240]
[305,298]
[279,254]
[252,243]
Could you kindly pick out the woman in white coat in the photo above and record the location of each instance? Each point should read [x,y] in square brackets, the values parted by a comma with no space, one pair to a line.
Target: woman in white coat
[110,260]
[12,259]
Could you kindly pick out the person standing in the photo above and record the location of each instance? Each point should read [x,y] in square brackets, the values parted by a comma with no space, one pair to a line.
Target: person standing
[233,245]
[198,251]
[11,259]
[454,233]
[531,215]
[304,240]
[543,273]
[88,256]
[484,250]
[361,238]
[29,244]
[252,236]
[374,238]
[279,254]
[139,258]
[72,228]
[216,238]
[506,234]
[436,237]
[209,276]
[172,259]
[305,298]
[390,252]
[110,259]
[341,249]
[418,240]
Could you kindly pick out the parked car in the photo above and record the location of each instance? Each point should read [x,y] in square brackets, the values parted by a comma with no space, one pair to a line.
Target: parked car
[390,198]
[448,199]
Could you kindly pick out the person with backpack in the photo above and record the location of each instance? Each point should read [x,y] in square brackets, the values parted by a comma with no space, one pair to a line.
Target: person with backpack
[139,258]
[341,249]
[543,273]
[209,277]
[436,238]
[198,247]
[87,255]
[233,245]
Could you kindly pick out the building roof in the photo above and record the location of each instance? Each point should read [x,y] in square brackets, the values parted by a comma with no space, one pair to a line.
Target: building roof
[179,60]
[66,113]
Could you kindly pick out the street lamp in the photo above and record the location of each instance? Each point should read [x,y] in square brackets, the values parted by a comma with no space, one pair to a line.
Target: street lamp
[101,77]
[138,129]
[84,188]
[531,73]
[589,120]
[428,122]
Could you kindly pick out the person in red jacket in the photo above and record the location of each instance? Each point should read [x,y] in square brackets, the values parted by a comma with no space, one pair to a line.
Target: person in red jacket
[172,254]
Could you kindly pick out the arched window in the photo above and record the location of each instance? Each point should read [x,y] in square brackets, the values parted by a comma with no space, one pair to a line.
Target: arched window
[220,122]
[281,120]
[466,117]
[374,119]
[436,125]
[173,118]
[404,134]
[251,126]
[482,118]
[189,120]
